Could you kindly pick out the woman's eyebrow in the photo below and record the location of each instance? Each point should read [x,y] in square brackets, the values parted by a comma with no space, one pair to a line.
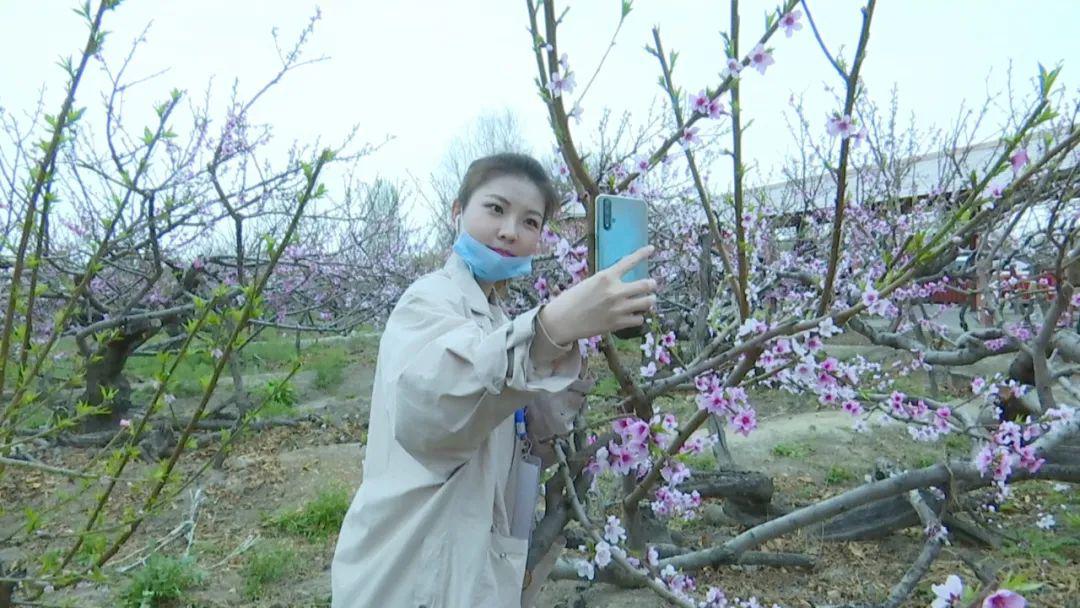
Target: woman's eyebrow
[505,201]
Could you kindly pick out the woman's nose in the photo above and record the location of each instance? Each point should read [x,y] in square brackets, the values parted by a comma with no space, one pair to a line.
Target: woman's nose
[508,232]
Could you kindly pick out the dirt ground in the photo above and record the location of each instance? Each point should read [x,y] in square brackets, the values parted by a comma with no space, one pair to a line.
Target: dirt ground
[810,452]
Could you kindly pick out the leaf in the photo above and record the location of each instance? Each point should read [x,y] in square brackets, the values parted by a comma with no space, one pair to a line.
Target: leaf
[83,12]
[33,519]
[147,136]
[627,6]
[1046,115]
[1046,79]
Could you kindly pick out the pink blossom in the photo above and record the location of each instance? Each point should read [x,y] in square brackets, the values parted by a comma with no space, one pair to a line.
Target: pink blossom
[839,125]
[690,136]
[600,463]
[614,533]
[948,593]
[1019,159]
[858,137]
[745,421]
[733,67]
[1029,460]
[675,473]
[830,365]
[541,286]
[1004,467]
[751,326]
[125,423]
[622,425]
[700,102]
[668,339]
[641,163]
[662,356]
[1003,598]
[827,328]
[648,371]
[790,22]
[870,296]
[853,407]
[829,397]
[937,533]
[804,370]
[760,58]
[576,111]
[622,459]
[716,109]
[647,344]
[977,385]
[587,345]
[942,417]
[782,347]
[561,83]
[603,554]
[984,458]
[585,569]
[714,402]
[715,598]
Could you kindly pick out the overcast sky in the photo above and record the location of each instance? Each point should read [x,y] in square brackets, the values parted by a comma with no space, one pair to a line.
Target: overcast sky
[422,70]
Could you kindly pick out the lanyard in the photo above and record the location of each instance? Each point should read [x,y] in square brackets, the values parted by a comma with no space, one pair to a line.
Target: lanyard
[519,423]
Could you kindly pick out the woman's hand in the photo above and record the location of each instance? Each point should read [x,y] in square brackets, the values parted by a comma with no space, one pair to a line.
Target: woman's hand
[601,304]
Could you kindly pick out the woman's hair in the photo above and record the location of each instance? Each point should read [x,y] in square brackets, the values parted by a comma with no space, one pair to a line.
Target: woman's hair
[483,170]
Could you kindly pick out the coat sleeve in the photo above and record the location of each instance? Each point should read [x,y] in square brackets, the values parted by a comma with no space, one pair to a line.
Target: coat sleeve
[454,383]
[552,415]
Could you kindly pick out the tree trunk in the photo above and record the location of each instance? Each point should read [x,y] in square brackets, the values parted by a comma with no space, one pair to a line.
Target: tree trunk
[104,371]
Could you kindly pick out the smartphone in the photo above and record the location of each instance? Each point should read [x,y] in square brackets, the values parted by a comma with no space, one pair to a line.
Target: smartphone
[622,227]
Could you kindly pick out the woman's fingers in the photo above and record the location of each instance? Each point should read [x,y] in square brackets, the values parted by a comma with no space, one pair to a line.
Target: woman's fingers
[640,287]
[624,265]
[625,321]
[640,304]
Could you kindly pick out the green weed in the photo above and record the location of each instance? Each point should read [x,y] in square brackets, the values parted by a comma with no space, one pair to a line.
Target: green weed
[268,563]
[791,450]
[319,518]
[162,579]
[838,475]
[329,365]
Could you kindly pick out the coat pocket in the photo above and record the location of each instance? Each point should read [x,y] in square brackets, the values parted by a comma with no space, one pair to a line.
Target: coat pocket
[507,556]
[430,585]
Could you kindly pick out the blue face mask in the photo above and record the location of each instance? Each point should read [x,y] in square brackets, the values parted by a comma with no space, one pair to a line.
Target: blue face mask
[487,265]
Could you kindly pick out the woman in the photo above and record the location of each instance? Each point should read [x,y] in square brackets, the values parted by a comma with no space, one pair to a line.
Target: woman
[433,523]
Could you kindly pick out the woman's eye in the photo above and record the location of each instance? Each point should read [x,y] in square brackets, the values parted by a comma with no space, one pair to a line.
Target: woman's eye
[495,208]
[532,223]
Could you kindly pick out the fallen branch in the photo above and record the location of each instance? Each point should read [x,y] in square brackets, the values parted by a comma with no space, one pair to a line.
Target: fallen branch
[926,557]
[185,529]
[930,476]
[243,546]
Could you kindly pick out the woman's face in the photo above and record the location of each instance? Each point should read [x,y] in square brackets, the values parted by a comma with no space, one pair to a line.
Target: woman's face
[506,214]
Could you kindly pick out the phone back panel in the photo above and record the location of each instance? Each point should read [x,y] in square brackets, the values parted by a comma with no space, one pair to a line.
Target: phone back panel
[622,227]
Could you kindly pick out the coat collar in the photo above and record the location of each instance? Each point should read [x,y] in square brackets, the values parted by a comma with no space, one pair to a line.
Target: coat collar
[463,277]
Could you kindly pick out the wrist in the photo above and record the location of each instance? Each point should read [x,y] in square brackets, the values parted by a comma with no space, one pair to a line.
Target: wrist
[552,329]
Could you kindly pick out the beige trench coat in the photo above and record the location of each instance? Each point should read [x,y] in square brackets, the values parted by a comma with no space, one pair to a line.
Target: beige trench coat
[429,525]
